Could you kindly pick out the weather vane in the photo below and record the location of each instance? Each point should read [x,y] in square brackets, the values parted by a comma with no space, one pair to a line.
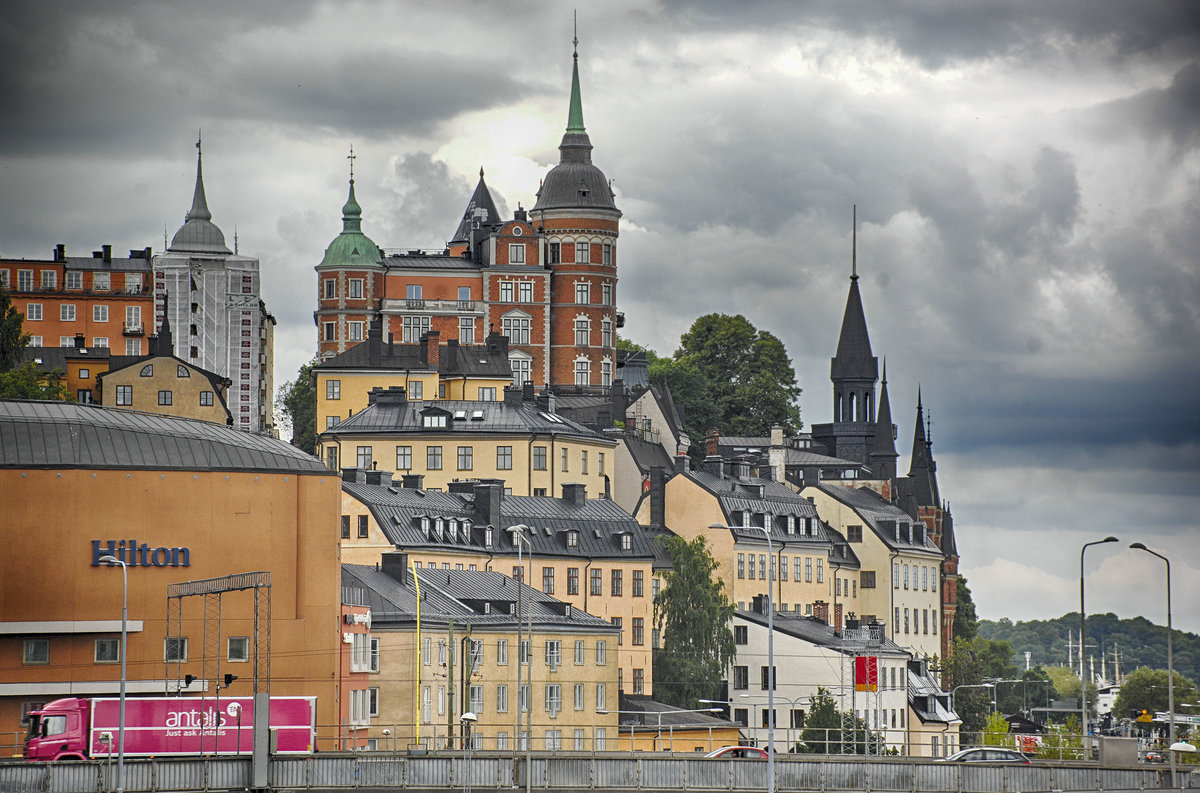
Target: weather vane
[351,159]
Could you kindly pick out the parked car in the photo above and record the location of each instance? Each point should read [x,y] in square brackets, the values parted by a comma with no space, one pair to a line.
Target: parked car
[738,752]
[1155,757]
[986,754]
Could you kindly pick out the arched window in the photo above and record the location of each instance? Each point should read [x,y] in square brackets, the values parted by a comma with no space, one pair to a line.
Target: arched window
[852,407]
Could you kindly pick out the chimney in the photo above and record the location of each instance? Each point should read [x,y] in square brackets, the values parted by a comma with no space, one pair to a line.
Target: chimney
[741,467]
[412,481]
[521,214]
[395,565]
[527,391]
[777,456]
[821,611]
[392,395]
[60,252]
[713,464]
[381,478]
[462,487]
[375,343]
[546,400]
[373,395]
[574,493]
[759,604]
[356,475]
[487,503]
[430,352]
[837,617]
[683,463]
[79,341]
[658,496]
[107,249]
[620,401]
[497,344]
[512,396]
[712,440]
[852,623]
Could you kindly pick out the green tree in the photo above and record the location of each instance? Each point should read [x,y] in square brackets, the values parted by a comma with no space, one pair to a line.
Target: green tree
[824,729]
[693,613]
[966,623]
[1147,689]
[28,382]
[995,730]
[12,341]
[299,400]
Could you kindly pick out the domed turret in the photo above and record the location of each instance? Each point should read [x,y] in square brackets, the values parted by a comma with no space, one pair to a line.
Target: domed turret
[351,247]
[199,234]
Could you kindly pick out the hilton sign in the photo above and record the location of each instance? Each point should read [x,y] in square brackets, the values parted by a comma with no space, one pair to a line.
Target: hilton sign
[135,555]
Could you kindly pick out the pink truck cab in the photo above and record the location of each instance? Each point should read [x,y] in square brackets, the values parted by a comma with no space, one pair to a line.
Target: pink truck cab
[77,728]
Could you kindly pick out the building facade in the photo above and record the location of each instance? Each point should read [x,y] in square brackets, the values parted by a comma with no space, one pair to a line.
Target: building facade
[546,278]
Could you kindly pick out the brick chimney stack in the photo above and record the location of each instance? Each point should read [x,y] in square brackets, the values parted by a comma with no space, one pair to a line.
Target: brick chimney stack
[821,611]
[432,348]
[711,442]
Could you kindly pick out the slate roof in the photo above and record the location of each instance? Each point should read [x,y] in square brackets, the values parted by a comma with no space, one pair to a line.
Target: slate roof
[480,207]
[762,496]
[818,633]
[600,523]
[458,596]
[881,515]
[854,359]
[45,434]
[646,454]
[926,698]
[760,446]
[429,261]
[467,417]
[454,359]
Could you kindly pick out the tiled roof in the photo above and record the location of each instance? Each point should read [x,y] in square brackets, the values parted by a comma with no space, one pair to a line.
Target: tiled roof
[37,434]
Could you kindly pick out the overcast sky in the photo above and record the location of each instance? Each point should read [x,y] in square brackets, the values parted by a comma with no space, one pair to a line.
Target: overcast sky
[1025,174]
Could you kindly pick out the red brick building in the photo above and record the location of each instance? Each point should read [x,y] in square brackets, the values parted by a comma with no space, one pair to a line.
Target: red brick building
[547,278]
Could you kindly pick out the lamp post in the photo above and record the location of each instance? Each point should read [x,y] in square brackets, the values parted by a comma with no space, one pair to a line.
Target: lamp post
[468,719]
[791,707]
[111,560]
[1083,724]
[519,538]
[770,653]
[1170,662]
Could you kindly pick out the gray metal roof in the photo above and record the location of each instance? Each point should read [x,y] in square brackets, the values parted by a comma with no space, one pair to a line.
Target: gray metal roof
[459,596]
[600,523]
[37,434]
[818,633]
[881,516]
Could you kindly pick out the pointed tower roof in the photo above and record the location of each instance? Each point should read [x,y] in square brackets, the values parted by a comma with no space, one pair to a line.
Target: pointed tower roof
[854,358]
[922,469]
[199,234]
[162,343]
[351,248]
[481,207]
[575,183]
[884,455]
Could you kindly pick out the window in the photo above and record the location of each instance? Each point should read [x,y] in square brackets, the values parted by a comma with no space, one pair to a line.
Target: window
[97,341]
[820,570]
[564,459]
[363,524]
[330,287]
[905,579]
[504,458]
[608,248]
[867,579]
[600,463]
[24,280]
[333,389]
[413,291]
[331,458]
[582,332]
[66,312]
[617,583]
[355,288]
[502,652]
[37,651]
[637,583]
[99,313]
[924,577]
[522,369]
[617,623]
[895,576]
[466,330]
[553,737]
[33,312]
[741,678]
[414,328]
[364,456]
[346,530]
[639,631]
[164,397]
[465,458]
[74,280]
[124,395]
[554,253]
[502,698]
[49,279]
[133,283]
[539,458]
[606,333]
[597,582]
[553,653]
[108,651]
[239,648]
[525,291]
[507,289]
[601,652]
[433,458]
[329,331]
[766,681]
[906,620]
[526,651]
[583,293]
[601,697]
[572,580]
[854,533]
[583,254]
[762,566]
[741,565]
[750,559]
[403,458]
[416,390]
[740,634]
[147,371]
[808,569]
[548,580]
[583,462]
[516,328]
[583,372]
[175,649]
[133,317]
[516,253]
[354,331]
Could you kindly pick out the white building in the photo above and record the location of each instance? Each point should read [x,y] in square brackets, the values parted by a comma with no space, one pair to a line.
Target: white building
[212,297]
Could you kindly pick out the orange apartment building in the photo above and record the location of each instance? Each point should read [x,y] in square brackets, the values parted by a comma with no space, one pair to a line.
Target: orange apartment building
[107,301]
[547,278]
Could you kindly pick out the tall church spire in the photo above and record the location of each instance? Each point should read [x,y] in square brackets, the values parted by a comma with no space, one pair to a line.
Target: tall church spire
[199,234]
[884,455]
[575,113]
[199,210]
[854,370]
[351,248]
[922,468]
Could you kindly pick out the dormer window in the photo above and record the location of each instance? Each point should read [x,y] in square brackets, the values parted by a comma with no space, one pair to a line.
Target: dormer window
[572,539]
[425,528]
[465,528]
[488,536]
[452,535]
[791,523]
[434,421]
[439,527]
[626,542]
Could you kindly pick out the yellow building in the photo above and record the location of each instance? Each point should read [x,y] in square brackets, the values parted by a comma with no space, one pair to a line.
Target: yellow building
[165,385]
[427,370]
[522,442]
[177,500]
[586,551]
[459,652]
[900,564]
[807,566]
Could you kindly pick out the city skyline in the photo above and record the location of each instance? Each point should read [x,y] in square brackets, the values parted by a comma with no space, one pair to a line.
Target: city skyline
[1025,177]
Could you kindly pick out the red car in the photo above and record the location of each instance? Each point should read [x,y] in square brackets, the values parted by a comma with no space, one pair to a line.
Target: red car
[738,752]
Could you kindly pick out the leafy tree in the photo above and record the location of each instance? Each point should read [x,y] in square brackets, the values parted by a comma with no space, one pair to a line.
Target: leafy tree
[1147,688]
[12,341]
[28,382]
[299,399]
[823,729]
[693,614]
[995,730]
[966,623]
[1035,690]
[1061,741]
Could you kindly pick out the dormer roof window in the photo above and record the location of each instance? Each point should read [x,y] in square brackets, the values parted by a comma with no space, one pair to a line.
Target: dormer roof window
[488,536]
[572,539]
[626,541]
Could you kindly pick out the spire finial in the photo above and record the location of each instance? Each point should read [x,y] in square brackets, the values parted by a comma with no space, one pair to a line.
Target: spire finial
[575,113]
[575,38]
[885,370]
[351,157]
[854,243]
[199,210]
[481,172]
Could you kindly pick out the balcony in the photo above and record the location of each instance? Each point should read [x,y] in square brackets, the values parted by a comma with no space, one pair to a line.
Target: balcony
[443,307]
[133,329]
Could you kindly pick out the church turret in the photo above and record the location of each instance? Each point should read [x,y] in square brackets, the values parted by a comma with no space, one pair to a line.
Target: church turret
[351,248]
[854,370]
[199,234]
[922,468]
[884,455]
[481,212]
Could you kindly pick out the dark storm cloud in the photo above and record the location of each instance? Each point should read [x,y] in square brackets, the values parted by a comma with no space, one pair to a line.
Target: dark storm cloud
[1172,112]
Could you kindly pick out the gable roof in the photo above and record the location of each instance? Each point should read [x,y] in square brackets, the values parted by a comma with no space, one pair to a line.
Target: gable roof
[882,516]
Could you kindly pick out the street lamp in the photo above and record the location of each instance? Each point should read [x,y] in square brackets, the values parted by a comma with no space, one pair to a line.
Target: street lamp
[770,653]
[111,560]
[519,538]
[1083,724]
[468,719]
[1170,660]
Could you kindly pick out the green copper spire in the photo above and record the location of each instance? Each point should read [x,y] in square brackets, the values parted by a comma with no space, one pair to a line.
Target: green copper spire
[575,114]
[351,247]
